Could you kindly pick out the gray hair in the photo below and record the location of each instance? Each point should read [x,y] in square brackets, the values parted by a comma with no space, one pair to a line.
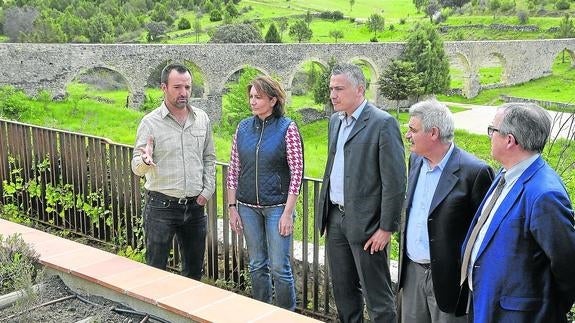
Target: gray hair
[353,72]
[433,113]
[529,123]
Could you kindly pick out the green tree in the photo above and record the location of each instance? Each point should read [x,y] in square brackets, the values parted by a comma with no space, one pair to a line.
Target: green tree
[300,31]
[231,10]
[321,88]
[420,4]
[100,28]
[237,33]
[215,15]
[72,25]
[431,7]
[400,81]
[375,23]
[425,48]
[208,6]
[272,36]
[19,21]
[351,3]
[235,103]
[566,30]
[184,24]
[494,6]
[283,26]
[562,5]
[156,30]
[336,34]
[46,30]
[197,28]
[308,18]
[161,13]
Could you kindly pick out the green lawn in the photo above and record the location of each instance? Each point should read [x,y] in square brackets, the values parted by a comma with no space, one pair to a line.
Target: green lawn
[264,12]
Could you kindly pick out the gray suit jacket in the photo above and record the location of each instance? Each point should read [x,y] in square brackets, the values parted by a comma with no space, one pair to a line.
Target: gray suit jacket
[375,176]
[461,188]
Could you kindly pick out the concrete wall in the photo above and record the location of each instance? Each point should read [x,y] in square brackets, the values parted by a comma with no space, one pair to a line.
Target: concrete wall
[34,67]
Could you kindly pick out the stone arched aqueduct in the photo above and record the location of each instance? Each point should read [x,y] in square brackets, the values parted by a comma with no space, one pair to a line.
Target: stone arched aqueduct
[34,67]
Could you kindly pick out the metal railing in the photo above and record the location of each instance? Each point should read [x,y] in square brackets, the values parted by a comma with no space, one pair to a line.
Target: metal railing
[84,185]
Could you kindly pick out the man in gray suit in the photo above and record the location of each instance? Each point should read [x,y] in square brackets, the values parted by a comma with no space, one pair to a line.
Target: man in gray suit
[445,187]
[361,198]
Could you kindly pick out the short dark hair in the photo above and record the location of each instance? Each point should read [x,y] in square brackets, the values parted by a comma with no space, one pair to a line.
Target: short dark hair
[180,68]
[273,89]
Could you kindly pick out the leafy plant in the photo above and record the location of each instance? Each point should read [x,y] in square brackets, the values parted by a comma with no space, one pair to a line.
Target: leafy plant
[18,264]
[300,31]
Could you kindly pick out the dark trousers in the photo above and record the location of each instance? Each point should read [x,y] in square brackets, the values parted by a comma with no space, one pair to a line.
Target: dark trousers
[356,274]
[165,217]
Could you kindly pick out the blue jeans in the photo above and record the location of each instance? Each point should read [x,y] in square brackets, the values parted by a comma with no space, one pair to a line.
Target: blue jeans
[269,252]
[164,217]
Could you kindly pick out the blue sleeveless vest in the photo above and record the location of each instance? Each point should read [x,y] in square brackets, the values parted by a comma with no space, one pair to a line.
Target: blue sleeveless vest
[264,172]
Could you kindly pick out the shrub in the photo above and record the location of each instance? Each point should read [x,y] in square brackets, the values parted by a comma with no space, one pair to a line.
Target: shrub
[19,265]
[215,15]
[150,103]
[373,39]
[13,103]
[402,21]
[184,24]
[562,5]
[507,5]
[522,17]
[237,33]
[333,15]
[391,27]
[459,35]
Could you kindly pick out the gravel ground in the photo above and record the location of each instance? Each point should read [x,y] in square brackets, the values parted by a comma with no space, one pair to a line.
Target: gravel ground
[70,310]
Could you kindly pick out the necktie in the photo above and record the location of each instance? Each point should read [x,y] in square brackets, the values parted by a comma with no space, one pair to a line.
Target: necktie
[480,222]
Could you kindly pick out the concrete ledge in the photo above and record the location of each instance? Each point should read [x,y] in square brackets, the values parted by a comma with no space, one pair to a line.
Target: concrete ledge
[178,299]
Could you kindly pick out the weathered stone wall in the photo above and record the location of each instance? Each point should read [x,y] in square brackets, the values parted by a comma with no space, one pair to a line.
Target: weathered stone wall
[546,104]
[34,67]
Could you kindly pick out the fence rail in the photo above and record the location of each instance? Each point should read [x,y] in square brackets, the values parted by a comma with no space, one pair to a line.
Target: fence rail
[84,185]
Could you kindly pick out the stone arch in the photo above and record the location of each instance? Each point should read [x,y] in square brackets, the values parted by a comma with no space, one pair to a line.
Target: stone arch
[469,77]
[300,74]
[221,86]
[566,54]
[104,69]
[493,70]
[366,63]
[199,84]
[298,67]
[231,81]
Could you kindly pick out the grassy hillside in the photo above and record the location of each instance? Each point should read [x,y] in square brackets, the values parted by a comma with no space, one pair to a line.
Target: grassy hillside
[401,14]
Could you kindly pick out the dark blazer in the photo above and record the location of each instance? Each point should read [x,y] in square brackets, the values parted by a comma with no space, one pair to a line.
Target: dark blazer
[374,173]
[461,188]
[524,269]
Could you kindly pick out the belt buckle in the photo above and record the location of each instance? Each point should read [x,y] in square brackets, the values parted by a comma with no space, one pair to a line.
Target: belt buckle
[183,201]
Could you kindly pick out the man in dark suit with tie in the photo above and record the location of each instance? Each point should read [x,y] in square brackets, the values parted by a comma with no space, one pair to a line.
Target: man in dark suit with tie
[518,255]
[445,186]
[361,198]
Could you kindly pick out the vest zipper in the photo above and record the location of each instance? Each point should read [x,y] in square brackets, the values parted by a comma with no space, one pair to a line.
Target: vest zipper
[257,167]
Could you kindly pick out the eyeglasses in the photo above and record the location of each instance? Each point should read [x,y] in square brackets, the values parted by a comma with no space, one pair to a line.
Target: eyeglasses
[491,130]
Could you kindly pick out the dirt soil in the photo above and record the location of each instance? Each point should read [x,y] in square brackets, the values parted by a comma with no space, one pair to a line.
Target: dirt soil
[70,310]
